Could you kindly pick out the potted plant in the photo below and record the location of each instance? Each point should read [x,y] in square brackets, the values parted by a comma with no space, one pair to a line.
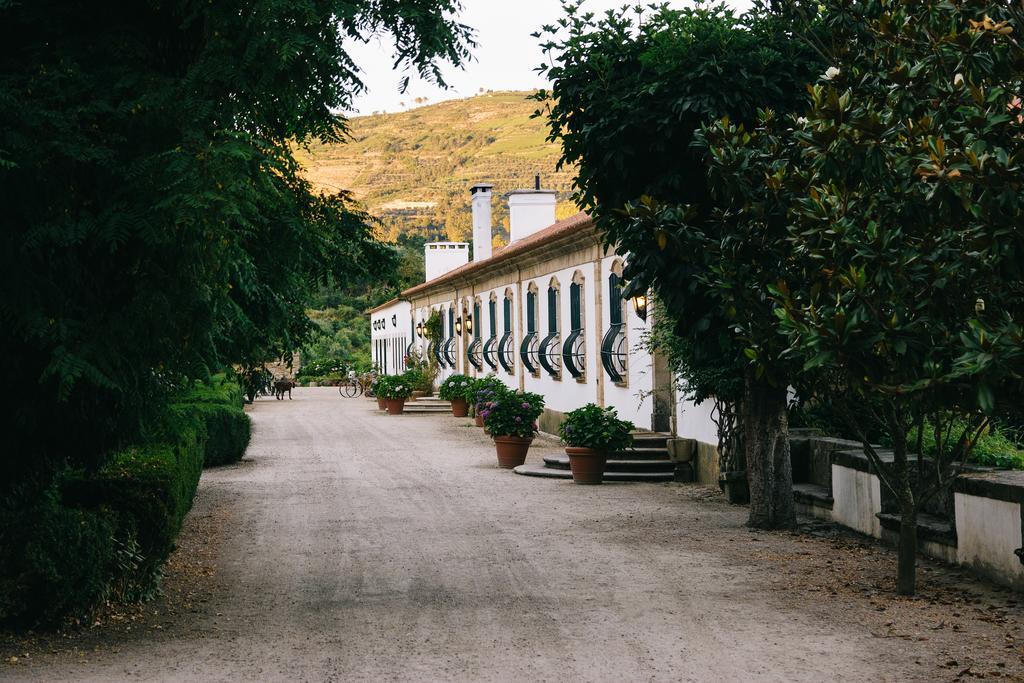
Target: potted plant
[484,390]
[590,433]
[377,385]
[395,391]
[511,419]
[454,389]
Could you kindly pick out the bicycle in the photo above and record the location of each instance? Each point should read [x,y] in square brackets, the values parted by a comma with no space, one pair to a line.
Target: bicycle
[351,387]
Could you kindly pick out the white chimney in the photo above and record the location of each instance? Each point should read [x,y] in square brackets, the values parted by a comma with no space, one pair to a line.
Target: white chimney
[443,257]
[481,193]
[530,211]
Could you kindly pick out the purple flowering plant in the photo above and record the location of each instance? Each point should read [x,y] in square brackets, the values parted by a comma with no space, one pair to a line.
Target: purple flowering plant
[512,413]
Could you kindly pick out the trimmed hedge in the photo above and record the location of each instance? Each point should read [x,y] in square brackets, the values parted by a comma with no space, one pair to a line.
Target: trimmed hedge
[228,430]
[105,534]
[220,405]
[150,488]
[56,561]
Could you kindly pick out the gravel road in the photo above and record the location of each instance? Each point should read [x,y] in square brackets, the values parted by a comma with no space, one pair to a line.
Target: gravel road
[349,545]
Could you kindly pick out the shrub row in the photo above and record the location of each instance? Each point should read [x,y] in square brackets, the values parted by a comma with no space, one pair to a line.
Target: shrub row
[86,537]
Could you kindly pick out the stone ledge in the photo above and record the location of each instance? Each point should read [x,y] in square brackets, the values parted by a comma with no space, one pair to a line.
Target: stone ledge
[1004,485]
[929,527]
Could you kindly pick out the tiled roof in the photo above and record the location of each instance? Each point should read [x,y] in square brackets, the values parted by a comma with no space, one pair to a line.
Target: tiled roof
[565,226]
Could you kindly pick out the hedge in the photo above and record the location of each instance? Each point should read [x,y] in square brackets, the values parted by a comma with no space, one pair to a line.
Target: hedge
[56,561]
[219,404]
[228,431]
[90,536]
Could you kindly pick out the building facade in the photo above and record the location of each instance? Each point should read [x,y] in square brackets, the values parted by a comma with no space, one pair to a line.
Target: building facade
[544,314]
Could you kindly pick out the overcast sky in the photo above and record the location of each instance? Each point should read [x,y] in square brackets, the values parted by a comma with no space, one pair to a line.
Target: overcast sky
[505,57]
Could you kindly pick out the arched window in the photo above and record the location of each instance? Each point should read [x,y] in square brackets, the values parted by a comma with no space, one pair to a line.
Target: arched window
[474,352]
[528,349]
[506,355]
[574,350]
[614,350]
[449,344]
[491,345]
[437,345]
[550,350]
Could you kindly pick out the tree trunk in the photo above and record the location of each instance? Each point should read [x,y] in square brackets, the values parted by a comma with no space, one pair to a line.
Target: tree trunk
[906,568]
[765,424]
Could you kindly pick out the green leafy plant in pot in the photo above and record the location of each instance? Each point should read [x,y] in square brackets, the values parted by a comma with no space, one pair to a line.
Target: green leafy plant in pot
[394,390]
[377,384]
[455,389]
[590,433]
[511,419]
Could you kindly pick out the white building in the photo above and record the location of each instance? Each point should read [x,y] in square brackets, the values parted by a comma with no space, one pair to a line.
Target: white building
[545,314]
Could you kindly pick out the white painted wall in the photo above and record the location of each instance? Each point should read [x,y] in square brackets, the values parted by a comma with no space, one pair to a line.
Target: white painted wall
[857,500]
[443,257]
[988,531]
[694,421]
[390,337]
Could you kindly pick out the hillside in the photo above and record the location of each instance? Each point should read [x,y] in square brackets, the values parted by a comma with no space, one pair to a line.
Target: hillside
[413,169]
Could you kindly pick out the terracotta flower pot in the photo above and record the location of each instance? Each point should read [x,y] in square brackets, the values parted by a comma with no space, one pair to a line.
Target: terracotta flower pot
[381,404]
[586,464]
[395,406]
[511,450]
[459,407]
[479,420]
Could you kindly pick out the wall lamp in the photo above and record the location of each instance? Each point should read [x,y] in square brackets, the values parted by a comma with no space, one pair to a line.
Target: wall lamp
[640,305]
[458,326]
[419,329]
[469,323]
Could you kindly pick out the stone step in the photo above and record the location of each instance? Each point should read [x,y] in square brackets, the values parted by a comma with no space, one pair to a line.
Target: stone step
[429,401]
[641,454]
[650,439]
[427,410]
[561,462]
[552,473]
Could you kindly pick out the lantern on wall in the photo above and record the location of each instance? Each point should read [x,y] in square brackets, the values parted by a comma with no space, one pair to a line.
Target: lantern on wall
[419,329]
[640,305]
[469,323]
[458,326]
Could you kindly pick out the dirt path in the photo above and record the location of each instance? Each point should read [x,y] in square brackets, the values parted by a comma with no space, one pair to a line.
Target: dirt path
[353,546]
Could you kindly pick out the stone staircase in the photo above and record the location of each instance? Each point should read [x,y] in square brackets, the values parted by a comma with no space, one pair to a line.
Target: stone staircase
[428,405]
[648,460]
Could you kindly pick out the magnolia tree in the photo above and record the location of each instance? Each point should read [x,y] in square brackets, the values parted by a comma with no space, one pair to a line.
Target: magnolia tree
[903,296]
[629,91]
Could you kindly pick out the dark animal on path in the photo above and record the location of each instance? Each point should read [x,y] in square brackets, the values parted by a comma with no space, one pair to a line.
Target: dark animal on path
[283,386]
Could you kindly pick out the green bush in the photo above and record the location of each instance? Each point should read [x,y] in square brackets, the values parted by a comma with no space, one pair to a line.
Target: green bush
[219,405]
[228,430]
[105,533]
[56,561]
[151,488]
[993,449]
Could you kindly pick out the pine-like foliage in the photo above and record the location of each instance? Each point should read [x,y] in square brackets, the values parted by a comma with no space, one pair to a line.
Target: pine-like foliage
[155,222]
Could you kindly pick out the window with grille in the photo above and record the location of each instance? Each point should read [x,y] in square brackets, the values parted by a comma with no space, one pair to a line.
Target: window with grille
[614,352]
[549,352]
[491,345]
[505,355]
[474,352]
[574,350]
[529,348]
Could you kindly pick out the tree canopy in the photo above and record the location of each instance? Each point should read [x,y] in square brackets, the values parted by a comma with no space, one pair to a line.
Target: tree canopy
[156,223]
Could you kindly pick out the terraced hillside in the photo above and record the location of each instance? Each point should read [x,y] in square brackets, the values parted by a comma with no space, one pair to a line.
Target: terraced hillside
[413,169]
